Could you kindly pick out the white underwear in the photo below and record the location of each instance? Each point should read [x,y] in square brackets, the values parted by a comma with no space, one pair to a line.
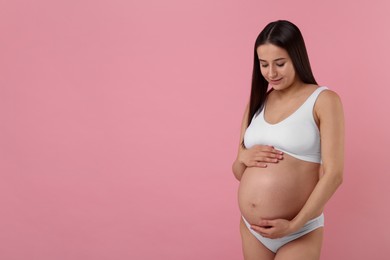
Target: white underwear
[275,244]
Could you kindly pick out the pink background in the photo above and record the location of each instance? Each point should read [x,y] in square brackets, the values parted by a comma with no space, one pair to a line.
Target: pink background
[119,121]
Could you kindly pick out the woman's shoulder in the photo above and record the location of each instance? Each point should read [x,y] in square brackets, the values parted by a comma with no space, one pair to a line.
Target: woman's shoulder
[328,95]
[328,100]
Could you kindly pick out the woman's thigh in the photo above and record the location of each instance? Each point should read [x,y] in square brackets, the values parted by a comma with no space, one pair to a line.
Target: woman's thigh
[252,248]
[307,247]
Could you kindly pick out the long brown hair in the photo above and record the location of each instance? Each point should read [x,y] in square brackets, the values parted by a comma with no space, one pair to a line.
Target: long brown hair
[286,35]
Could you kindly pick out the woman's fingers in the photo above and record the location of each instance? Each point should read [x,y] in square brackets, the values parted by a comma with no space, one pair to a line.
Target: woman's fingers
[265,232]
[260,155]
[260,164]
[267,148]
[266,159]
[257,164]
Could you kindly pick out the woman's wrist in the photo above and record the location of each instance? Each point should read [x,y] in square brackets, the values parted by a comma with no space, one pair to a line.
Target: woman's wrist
[239,155]
[295,225]
[299,221]
[238,169]
[239,162]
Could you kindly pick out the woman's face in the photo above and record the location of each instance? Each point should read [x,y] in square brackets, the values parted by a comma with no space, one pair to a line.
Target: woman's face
[276,66]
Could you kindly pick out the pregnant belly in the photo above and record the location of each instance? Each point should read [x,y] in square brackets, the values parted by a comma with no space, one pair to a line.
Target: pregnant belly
[278,191]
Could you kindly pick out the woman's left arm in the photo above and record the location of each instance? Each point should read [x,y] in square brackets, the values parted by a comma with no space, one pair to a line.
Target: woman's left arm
[329,111]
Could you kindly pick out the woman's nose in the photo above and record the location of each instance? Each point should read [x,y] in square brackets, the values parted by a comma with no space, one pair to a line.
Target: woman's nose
[272,72]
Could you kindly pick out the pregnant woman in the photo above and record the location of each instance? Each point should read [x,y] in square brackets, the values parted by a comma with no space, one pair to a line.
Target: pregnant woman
[291,153]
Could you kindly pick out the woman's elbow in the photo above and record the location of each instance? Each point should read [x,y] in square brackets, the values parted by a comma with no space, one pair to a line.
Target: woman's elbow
[338,178]
[237,170]
[334,175]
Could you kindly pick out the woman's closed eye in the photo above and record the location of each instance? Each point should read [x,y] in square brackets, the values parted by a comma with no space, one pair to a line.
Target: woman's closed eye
[277,64]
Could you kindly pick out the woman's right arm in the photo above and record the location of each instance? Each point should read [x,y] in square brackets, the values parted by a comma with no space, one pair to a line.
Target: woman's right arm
[256,156]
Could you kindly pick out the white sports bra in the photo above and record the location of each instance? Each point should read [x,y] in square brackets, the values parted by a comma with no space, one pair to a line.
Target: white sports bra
[296,135]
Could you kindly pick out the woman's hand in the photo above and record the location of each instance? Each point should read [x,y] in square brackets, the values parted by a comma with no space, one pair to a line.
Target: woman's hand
[276,228]
[259,156]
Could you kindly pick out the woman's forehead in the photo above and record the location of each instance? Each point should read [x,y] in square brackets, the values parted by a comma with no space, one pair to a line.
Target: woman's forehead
[270,52]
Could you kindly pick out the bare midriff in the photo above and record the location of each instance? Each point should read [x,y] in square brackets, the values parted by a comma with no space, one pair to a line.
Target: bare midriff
[278,191]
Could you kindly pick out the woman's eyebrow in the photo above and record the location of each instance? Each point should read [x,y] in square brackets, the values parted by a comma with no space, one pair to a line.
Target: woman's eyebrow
[274,60]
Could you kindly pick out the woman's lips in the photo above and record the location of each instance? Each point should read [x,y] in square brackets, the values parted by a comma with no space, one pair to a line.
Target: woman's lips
[275,82]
